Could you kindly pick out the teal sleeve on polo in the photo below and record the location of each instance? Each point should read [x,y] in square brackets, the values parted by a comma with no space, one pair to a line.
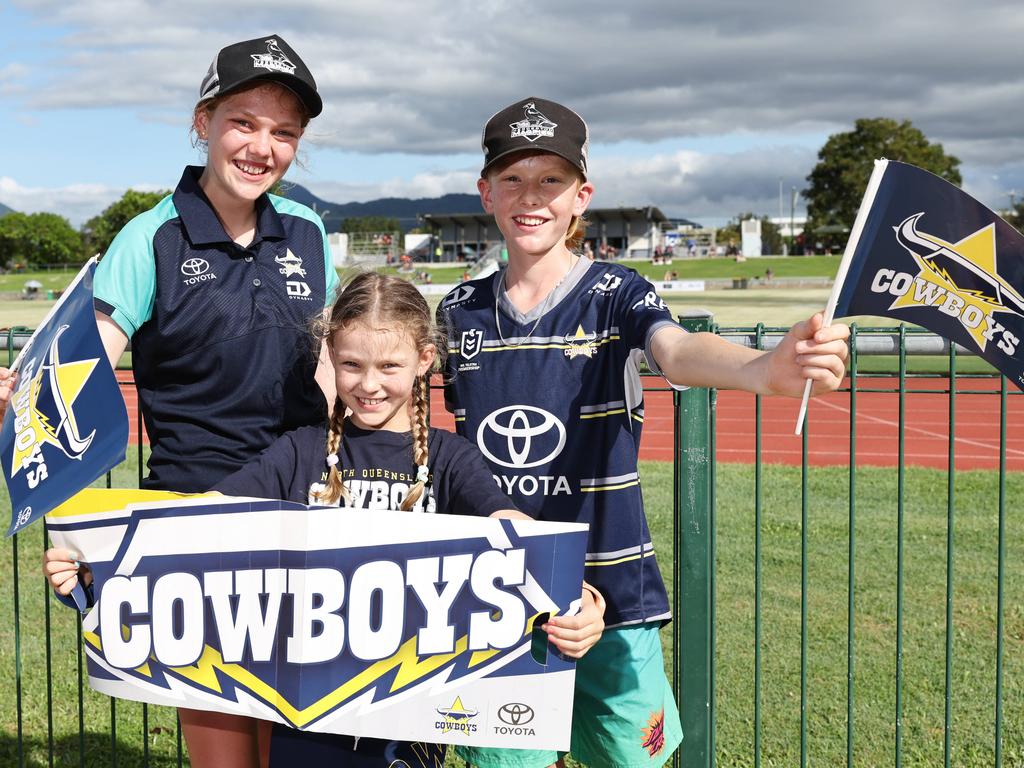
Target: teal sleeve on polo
[126,275]
[289,207]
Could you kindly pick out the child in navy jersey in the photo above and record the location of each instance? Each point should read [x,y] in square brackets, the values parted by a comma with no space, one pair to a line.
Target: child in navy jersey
[379,453]
[543,370]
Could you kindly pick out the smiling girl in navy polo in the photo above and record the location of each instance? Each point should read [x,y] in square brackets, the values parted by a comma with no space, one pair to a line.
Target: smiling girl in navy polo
[216,287]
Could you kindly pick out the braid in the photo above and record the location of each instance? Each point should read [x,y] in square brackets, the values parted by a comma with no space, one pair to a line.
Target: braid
[420,438]
[335,490]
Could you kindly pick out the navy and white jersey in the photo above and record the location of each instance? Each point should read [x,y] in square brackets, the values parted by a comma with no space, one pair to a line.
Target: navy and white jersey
[221,349]
[553,400]
[378,470]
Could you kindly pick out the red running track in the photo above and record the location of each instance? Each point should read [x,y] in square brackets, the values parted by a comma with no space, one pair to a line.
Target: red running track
[926,427]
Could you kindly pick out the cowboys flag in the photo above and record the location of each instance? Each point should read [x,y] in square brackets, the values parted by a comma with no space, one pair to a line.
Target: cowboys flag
[927,253]
[66,423]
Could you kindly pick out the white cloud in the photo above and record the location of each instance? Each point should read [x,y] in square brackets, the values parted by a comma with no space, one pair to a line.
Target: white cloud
[421,76]
[424,75]
[76,202]
[11,78]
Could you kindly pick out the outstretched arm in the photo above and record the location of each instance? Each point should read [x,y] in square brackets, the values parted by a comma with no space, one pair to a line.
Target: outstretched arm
[807,351]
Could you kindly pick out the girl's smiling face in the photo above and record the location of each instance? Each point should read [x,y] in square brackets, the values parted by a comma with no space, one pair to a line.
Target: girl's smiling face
[252,137]
[374,371]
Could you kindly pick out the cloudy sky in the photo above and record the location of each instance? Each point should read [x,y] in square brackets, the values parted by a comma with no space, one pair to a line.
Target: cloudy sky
[702,107]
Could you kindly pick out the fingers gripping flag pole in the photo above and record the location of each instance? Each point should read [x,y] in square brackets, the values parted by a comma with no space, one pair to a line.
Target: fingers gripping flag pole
[844,265]
[66,422]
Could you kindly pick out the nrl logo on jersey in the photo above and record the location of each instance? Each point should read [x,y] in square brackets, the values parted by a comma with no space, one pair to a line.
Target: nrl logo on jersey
[472,343]
[580,344]
[274,59]
[606,284]
[290,264]
[960,280]
[534,125]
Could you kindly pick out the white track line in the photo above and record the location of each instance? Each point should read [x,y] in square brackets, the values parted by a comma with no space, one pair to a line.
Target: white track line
[918,430]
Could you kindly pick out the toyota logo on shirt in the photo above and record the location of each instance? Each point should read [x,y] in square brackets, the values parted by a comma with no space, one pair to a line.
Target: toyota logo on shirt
[194,267]
[521,436]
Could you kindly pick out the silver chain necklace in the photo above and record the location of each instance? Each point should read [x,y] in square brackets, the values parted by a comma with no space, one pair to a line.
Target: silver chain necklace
[543,308]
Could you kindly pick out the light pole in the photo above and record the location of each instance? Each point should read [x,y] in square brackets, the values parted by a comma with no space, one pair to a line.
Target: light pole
[792,209]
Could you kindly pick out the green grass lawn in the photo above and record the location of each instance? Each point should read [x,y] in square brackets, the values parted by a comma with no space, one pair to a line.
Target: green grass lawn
[874,741]
[726,268]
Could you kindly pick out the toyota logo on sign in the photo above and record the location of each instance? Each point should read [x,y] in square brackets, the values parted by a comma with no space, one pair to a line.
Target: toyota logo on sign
[515,714]
[521,436]
[194,267]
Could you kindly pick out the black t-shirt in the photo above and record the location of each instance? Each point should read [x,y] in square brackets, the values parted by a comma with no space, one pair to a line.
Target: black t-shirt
[378,470]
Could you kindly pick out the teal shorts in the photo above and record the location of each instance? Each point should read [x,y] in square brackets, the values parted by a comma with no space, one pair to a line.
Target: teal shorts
[624,712]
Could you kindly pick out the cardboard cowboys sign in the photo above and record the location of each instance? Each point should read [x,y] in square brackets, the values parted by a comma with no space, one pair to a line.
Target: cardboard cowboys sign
[390,624]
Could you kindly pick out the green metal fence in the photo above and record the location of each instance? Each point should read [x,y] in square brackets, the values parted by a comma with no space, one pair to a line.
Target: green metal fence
[798,700]
[975,641]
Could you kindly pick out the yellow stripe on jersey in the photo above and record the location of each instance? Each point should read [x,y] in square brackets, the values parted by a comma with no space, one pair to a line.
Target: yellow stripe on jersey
[511,347]
[598,563]
[604,413]
[609,487]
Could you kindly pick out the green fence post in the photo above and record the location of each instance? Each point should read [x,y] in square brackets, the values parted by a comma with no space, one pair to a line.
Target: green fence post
[693,667]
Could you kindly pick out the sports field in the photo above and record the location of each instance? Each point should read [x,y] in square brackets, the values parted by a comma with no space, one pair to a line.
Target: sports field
[772,306]
[827,562]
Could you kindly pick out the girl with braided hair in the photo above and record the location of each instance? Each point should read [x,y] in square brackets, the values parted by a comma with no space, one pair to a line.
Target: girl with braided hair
[378,452]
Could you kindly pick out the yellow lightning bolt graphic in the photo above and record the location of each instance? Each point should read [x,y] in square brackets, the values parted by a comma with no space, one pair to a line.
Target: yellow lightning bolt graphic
[410,669]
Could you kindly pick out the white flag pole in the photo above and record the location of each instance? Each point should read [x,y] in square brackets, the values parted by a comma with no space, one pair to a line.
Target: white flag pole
[844,266]
[52,312]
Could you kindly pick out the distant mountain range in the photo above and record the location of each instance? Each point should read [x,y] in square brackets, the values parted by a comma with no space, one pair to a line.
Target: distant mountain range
[4,210]
[402,208]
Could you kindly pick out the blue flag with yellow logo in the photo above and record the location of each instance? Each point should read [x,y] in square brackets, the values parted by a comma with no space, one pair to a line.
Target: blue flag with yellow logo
[66,422]
[928,253]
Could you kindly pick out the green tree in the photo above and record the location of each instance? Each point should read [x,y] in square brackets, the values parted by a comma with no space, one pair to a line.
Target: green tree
[1014,216]
[38,238]
[100,230]
[771,240]
[354,224]
[838,181]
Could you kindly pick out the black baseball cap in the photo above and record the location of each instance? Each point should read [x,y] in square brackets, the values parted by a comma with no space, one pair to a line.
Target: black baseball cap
[265,58]
[538,124]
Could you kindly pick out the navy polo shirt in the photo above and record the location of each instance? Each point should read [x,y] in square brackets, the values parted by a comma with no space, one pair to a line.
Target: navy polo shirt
[223,358]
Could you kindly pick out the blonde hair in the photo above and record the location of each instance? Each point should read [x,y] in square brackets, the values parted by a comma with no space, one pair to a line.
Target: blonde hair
[381,299]
[578,224]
